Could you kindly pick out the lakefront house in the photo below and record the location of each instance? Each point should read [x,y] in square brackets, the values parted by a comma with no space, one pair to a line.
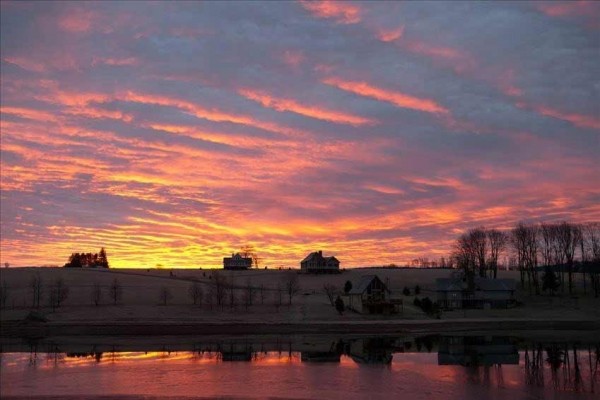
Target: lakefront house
[371,296]
[237,262]
[316,263]
[456,293]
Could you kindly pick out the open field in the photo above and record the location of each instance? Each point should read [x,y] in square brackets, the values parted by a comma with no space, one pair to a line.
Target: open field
[140,303]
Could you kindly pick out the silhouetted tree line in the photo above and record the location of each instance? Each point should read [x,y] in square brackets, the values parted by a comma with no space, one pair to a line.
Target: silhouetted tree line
[559,249]
[88,260]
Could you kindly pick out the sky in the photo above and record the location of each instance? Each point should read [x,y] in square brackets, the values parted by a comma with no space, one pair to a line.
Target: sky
[173,133]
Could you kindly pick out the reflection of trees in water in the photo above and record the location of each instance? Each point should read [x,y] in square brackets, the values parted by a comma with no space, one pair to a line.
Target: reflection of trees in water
[566,363]
[534,365]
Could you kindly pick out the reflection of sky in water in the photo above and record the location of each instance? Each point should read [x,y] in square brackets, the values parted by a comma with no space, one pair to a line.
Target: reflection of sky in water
[412,375]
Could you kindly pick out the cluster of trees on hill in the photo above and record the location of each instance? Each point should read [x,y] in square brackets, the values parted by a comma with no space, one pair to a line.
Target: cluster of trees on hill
[88,260]
[564,248]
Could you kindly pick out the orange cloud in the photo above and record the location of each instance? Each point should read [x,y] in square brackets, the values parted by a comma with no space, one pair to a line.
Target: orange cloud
[579,120]
[280,104]
[77,21]
[396,98]
[341,12]
[390,35]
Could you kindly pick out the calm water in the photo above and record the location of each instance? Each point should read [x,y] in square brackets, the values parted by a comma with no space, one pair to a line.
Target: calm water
[447,367]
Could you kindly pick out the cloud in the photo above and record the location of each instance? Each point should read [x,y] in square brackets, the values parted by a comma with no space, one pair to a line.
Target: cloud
[375,131]
[341,12]
[396,98]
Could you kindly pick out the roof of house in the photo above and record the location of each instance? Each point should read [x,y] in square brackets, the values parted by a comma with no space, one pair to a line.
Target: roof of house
[448,285]
[238,256]
[311,256]
[364,283]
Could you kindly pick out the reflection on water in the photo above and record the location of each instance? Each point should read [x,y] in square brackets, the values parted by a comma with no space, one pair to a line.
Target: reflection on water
[444,367]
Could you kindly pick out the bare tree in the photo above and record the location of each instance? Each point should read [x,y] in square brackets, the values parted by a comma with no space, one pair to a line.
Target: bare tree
[220,288]
[231,292]
[96,294]
[291,285]
[249,294]
[592,238]
[37,288]
[278,296]
[497,243]
[164,295]
[464,254]
[59,292]
[568,238]
[524,239]
[479,241]
[195,292]
[116,291]
[261,293]
[4,294]
[330,291]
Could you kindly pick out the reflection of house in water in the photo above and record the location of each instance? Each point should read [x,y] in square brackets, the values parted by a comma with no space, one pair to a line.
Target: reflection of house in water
[236,352]
[371,351]
[371,296]
[476,350]
[320,356]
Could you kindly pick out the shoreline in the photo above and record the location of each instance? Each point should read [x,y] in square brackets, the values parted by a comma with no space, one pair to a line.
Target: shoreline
[24,329]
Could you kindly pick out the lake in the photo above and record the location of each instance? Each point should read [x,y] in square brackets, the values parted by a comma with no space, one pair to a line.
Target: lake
[303,367]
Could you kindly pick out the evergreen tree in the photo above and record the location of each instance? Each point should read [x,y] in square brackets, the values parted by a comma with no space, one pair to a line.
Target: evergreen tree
[550,281]
[102,259]
[347,287]
[339,305]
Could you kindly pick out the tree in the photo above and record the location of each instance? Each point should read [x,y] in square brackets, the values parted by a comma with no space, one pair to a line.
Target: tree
[568,236]
[479,241]
[36,286]
[96,294]
[195,292]
[497,242]
[330,291]
[165,295]
[339,305]
[220,288]
[261,292]
[4,294]
[417,290]
[249,294]
[406,291]
[347,287]
[549,280]
[102,260]
[278,296]
[232,296]
[291,285]
[116,291]
[59,292]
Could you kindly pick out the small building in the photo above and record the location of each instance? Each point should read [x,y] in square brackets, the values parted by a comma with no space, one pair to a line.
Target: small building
[237,262]
[483,293]
[317,264]
[371,296]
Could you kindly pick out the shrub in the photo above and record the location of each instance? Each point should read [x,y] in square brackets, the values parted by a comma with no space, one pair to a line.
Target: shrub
[417,290]
[406,291]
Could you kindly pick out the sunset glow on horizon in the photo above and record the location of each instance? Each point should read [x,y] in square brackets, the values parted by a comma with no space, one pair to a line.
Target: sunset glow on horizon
[374,131]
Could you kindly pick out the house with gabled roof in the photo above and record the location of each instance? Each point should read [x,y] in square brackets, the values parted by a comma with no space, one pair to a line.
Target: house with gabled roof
[455,293]
[316,263]
[371,296]
[237,261]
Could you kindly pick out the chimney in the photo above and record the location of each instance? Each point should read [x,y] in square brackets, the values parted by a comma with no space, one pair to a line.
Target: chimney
[320,253]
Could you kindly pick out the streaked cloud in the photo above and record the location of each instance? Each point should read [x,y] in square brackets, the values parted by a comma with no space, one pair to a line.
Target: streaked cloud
[376,131]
